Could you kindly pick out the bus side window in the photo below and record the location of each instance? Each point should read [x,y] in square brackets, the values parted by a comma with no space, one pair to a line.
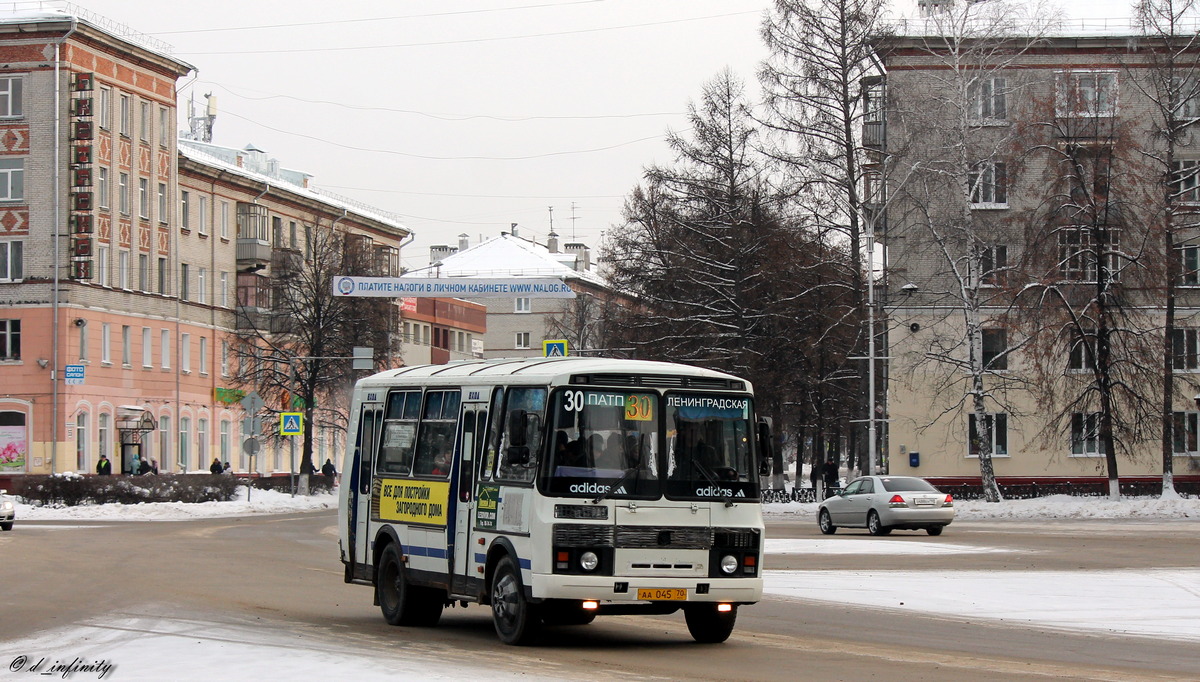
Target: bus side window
[399,432]
[467,471]
[487,463]
[531,401]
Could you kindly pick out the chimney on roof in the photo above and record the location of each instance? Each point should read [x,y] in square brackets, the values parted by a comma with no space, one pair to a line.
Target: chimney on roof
[464,241]
[514,230]
[583,256]
[439,251]
[552,242]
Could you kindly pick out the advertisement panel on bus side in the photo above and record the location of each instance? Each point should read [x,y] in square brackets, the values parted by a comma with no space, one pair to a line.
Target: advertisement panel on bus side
[423,502]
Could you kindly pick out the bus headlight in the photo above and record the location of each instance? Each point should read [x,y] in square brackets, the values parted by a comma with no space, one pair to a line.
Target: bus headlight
[588,561]
[729,564]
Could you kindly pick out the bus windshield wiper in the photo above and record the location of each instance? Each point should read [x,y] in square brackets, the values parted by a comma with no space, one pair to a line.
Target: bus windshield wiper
[612,488]
[712,480]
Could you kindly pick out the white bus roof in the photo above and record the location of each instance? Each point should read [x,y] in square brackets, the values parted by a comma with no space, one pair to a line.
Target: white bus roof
[545,369]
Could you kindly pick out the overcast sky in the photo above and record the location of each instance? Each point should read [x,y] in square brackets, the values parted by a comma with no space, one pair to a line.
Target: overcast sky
[461,116]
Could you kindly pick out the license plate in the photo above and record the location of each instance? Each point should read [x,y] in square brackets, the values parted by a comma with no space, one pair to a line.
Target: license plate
[663,594]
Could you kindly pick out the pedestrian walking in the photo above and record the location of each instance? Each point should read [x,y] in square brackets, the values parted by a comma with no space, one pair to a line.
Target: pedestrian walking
[145,468]
[104,467]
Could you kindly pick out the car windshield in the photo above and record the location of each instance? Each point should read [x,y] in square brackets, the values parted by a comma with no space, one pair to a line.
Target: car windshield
[903,484]
[709,447]
[603,438]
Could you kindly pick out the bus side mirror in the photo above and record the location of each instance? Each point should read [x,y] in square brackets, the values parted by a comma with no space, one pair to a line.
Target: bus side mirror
[518,425]
[766,448]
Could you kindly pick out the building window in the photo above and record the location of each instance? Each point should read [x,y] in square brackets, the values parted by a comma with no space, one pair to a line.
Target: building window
[988,99]
[987,184]
[277,232]
[125,114]
[1189,266]
[164,441]
[293,235]
[105,344]
[1079,253]
[1087,93]
[12,261]
[82,462]
[185,353]
[162,202]
[202,285]
[123,193]
[224,300]
[162,276]
[102,187]
[164,342]
[997,425]
[184,276]
[1085,435]
[12,179]
[126,345]
[1082,352]
[993,264]
[105,423]
[11,100]
[522,305]
[144,121]
[164,126]
[185,433]
[147,348]
[83,342]
[201,440]
[185,200]
[223,440]
[102,266]
[10,339]
[224,358]
[202,214]
[995,343]
[1185,344]
[204,355]
[1184,431]
[252,222]
[522,340]
[1185,180]
[224,220]
[123,269]
[144,272]
[105,108]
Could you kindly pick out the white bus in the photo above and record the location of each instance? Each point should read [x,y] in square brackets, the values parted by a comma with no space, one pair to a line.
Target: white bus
[555,490]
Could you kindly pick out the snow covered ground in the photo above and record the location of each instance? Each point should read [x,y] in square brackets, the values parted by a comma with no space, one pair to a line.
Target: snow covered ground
[1162,603]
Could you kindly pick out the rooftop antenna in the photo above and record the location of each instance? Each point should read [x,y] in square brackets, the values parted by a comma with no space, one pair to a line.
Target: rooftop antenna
[551,209]
[573,219]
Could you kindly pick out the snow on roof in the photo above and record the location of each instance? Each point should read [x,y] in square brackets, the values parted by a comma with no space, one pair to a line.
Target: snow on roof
[1075,18]
[224,158]
[53,11]
[508,256]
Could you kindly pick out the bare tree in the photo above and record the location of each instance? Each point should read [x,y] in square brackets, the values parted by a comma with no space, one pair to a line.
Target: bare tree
[295,337]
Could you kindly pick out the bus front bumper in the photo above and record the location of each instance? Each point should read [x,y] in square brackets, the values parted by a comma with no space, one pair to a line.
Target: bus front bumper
[647,590]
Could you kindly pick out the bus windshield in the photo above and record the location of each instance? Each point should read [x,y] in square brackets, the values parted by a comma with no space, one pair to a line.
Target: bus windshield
[600,438]
[709,447]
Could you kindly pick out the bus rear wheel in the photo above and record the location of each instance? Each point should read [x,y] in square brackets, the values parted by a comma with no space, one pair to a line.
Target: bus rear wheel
[516,620]
[707,624]
[400,602]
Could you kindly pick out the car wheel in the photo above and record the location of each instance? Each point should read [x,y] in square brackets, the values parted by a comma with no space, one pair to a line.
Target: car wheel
[707,624]
[826,522]
[7,525]
[934,530]
[874,525]
[516,620]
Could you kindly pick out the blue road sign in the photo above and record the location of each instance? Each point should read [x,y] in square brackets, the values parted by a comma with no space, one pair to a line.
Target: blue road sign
[74,374]
[291,423]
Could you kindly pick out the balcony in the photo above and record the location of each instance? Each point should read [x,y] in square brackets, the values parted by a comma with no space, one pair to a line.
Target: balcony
[874,134]
[253,252]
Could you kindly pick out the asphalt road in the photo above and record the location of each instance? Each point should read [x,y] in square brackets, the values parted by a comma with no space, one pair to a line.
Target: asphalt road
[283,571]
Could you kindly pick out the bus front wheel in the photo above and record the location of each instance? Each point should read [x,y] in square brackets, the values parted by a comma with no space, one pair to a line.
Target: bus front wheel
[516,620]
[707,624]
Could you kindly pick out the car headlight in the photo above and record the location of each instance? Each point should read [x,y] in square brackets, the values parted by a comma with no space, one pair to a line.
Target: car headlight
[8,505]
[729,564]
[588,561]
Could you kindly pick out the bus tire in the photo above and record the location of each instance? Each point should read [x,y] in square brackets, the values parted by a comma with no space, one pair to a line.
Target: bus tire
[707,624]
[565,612]
[392,588]
[516,620]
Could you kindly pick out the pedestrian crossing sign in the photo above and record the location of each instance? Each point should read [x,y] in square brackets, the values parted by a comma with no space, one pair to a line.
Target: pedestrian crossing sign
[554,349]
[291,423]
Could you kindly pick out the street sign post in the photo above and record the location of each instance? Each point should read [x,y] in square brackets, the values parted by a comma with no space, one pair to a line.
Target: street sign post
[73,375]
[556,348]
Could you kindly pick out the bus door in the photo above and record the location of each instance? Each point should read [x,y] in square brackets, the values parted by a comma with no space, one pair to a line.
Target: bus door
[472,425]
[359,502]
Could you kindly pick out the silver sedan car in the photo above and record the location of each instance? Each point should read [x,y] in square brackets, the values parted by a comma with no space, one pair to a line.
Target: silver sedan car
[8,512]
[882,504]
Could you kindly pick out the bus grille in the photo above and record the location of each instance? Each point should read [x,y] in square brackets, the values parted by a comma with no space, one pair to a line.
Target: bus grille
[679,537]
[736,538]
[581,535]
